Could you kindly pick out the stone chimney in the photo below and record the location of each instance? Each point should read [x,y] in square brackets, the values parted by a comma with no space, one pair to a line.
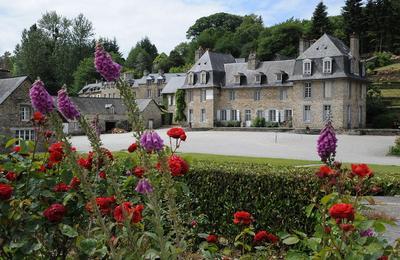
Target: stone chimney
[198,53]
[355,52]
[4,73]
[303,45]
[252,62]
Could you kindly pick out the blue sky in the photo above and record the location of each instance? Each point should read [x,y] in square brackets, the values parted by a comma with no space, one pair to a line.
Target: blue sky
[164,21]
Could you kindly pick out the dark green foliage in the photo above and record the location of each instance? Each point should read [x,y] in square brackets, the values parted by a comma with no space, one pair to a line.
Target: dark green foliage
[220,21]
[320,22]
[161,62]
[141,57]
[84,74]
[276,196]
[353,17]
[259,122]
[180,105]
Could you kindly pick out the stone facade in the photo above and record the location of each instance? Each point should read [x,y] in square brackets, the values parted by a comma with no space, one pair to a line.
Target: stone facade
[326,80]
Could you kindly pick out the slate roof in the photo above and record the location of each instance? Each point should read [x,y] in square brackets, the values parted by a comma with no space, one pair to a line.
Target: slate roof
[9,85]
[91,87]
[325,46]
[212,61]
[173,84]
[268,68]
[155,76]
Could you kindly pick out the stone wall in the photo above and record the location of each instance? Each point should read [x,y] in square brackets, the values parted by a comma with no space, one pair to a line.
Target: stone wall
[196,105]
[141,92]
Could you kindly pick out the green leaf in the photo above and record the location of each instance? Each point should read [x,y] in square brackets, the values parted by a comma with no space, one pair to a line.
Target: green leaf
[68,231]
[379,227]
[296,255]
[88,246]
[11,142]
[291,240]
[309,209]
[327,198]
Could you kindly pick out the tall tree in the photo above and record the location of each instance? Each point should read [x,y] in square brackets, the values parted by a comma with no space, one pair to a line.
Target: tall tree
[6,61]
[218,21]
[320,23]
[84,74]
[142,55]
[161,62]
[353,17]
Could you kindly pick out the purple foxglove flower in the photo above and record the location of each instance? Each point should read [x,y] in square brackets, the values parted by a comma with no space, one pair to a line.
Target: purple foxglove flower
[65,105]
[327,143]
[40,98]
[151,141]
[367,233]
[104,64]
[144,187]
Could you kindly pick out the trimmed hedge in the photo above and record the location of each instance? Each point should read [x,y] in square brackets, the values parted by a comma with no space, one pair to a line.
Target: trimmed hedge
[276,196]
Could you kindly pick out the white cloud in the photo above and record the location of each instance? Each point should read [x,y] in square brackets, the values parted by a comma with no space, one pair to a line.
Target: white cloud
[164,22]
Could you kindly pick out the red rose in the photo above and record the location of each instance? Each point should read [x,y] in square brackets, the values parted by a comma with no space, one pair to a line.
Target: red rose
[48,133]
[55,212]
[384,257]
[61,187]
[327,229]
[176,132]
[11,176]
[5,191]
[361,170]
[102,175]
[38,117]
[183,137]
[177,166]
[325,171]
[16,149]
[212,239]
[74,183]
[263,235]
[105,205]
[342,211]
[85,163]
[138,171]
[347,227]
[242,217]
[132,147]
[42,168]
[135,213]
[56,152]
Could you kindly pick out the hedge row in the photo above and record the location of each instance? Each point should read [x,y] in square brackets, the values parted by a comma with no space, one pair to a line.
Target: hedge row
[276,196]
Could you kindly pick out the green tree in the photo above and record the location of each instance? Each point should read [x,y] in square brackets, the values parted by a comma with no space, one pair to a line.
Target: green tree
[84,74]
[353,17]
[218,21]
[180,106]
[6,61]
[142,55]
[320,23]
[161,62]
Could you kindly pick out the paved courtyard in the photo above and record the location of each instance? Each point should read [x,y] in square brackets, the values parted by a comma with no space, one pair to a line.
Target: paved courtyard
[368,149]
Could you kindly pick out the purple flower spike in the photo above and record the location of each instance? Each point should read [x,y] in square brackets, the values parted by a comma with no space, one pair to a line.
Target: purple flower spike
[367,233]
[327,143]
[40,98]
[151,141]
[65,105]
[104,64]
[144,187]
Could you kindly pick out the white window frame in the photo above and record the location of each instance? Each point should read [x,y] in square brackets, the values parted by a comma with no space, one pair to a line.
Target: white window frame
[223,115]
[279,77]
[260,113]
[232,94]
[257,78]
[148,94]
[272,115]
[25,113]
[203,95]
[307,94]
[234,115]
[24,134]
[326,112]
[247,115]
[307,67]
[288,115]
[257,94]
[283,94]
[191,78]
[190,95]
[327,65]
[307,115]
[190,113]
[202,115]
[327,89]
[203,77]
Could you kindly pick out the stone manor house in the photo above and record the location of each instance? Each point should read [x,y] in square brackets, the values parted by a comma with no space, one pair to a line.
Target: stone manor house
[326,79]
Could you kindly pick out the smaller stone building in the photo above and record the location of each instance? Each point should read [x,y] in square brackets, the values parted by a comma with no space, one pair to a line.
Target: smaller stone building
[169,92]
[112,113]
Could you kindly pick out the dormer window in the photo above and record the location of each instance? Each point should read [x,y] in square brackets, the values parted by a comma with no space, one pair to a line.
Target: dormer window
[241,79]
[191,78]
[203,77]
[307,67]
[279,77]
[258,78]
[237,79]
[327,65]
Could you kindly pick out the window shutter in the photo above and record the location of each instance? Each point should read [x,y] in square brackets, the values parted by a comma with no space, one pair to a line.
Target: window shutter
[218,115]
[228,114]
[267,115]
[282,115]
[238,115]
[276,115]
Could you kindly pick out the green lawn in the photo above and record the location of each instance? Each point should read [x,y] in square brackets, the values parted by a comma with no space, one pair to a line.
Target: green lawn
[378,169]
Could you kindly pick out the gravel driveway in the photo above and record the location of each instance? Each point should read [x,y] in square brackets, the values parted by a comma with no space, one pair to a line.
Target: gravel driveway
[357,149]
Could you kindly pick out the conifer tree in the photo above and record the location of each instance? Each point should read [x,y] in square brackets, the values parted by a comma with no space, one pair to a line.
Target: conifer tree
[320,23]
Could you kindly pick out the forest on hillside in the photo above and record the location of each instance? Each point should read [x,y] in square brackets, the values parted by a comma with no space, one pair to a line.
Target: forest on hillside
[60,50]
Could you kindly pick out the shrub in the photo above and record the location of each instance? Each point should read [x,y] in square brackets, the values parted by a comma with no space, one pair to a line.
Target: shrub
[258,122]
